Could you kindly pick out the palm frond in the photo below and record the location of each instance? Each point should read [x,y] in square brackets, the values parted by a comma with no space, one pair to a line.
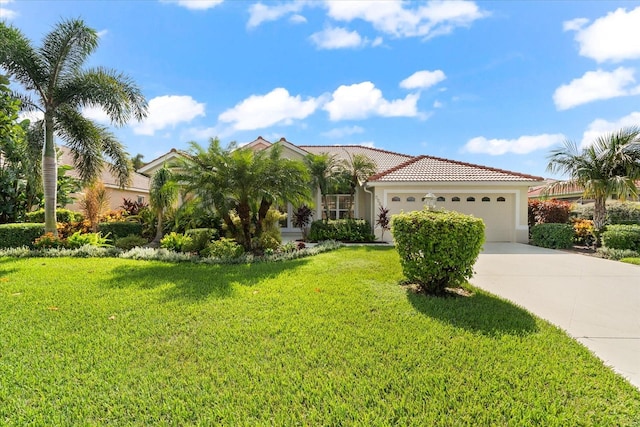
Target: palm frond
[19,60]
[66,48]
[114,92]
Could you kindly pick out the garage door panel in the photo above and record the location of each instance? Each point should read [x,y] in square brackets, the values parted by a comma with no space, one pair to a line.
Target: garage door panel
[497,211]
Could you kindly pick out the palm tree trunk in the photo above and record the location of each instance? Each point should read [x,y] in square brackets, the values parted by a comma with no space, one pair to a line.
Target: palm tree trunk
[49,177]
[244,212]
[156,240]
[599,217]
[262,214]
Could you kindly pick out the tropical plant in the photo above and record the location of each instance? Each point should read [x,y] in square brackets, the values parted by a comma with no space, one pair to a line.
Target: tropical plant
[325,171]
[136,161]
[19,185]
[54,73]
[383,220]
[243,181]
[358,168]
[132,207]
[302,218]
[94,204]
[163,194]
[608,167]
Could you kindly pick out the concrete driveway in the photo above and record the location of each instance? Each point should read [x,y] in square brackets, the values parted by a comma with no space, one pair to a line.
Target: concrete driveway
[596,301]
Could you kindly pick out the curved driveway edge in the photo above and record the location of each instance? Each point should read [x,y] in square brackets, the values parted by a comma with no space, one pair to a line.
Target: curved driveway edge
[596,301]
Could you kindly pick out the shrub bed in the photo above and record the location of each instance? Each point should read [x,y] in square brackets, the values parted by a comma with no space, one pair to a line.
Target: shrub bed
[120,229]
[554,236]
[548,211]
[16,235]
[622,237]
[344,230]
[62,215]
[437,248]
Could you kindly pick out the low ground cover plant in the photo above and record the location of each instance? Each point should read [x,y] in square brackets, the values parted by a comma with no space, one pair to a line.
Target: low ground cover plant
[328,340]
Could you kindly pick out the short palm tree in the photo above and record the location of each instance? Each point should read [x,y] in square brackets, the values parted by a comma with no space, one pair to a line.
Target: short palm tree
[163,194]
[242,180]
[610,166]
[54,75]
[325,171]
[359,168]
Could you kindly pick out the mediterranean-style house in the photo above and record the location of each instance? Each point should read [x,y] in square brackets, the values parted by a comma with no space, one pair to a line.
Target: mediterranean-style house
[497,196]
[137,190]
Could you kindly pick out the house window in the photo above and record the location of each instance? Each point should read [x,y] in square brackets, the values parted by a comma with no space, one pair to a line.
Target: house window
[471,199]
[440,199]
[140,199]
[455,199]
[501,199]
[339,206]
[411,199]
[395,199]
[486,199]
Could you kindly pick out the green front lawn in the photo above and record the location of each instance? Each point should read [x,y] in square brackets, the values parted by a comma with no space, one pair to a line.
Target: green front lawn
[327,340]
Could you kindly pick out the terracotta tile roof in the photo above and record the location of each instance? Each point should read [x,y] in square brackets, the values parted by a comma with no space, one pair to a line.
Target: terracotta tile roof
[139,182]
[430,169]
[384,159]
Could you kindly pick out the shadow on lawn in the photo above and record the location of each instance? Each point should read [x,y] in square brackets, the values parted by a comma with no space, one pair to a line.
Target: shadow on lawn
[480,312]
[198,281]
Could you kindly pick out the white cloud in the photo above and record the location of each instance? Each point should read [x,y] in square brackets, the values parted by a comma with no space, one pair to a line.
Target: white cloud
[259,13]
[601,127]
[97,114]
[523,145]
[369,144]
[196,4]
[168,110]
[595,85]
[613,37]
[297,19]
[275,108]
[361,100]
[102,33]
[32,116]
[337,38]
[337,133]
[423,79]
[574,24]
[398,19]
[5,13]
[437,104]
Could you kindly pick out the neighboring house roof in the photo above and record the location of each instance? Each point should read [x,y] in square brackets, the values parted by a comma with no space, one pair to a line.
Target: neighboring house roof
[436,169]
[139,182]
[383,159]
[157,163]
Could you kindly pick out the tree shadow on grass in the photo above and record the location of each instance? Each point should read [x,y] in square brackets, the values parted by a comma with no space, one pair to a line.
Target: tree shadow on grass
[480,312]
[197,281]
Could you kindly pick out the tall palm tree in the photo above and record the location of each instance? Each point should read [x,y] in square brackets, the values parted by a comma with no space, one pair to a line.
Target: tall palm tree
[163,194]
[359,168]
[610,166]
[325,171]
[54,75]
[244,181]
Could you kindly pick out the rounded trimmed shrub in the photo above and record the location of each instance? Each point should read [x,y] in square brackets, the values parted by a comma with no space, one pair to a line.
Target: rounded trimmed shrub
[622,237]
[437,248]
[553,236]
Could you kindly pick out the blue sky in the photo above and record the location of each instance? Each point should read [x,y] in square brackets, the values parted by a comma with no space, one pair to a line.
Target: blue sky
[498,83]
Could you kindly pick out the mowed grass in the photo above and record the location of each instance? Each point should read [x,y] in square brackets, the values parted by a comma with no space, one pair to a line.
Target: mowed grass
[328,340]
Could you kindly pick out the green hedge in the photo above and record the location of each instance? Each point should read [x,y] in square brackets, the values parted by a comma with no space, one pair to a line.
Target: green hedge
[16,235]
[120,229]
[554,236]
[617,212]
[437,248]
[62,215]
[622,237]
[344,230]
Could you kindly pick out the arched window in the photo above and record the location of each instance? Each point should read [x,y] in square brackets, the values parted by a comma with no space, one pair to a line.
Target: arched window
[501,199]
[441,199]
[411,199]
[395,199]
[455,199]
[471,199]
[486,199]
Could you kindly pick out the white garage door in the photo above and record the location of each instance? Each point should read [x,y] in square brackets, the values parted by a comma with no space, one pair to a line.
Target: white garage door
[496,210]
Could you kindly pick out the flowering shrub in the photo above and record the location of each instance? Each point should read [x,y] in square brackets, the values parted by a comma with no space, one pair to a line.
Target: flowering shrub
[583,232]
[48,240]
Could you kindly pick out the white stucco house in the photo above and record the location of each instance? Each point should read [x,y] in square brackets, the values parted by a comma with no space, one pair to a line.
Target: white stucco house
[497,196]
